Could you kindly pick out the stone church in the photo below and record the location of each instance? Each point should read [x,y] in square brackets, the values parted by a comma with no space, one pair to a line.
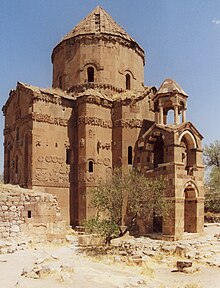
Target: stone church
[99,115]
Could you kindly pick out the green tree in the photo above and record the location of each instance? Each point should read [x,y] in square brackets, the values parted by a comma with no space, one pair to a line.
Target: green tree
[212,162]
[132,192]
[212,154]
[212,195]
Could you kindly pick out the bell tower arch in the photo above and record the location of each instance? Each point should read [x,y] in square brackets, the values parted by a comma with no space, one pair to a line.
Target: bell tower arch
[170,96]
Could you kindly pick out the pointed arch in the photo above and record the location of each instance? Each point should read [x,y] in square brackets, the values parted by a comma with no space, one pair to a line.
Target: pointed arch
[192,144]
[191,185]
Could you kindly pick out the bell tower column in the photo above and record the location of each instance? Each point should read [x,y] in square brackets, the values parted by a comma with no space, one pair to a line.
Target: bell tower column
[176,115]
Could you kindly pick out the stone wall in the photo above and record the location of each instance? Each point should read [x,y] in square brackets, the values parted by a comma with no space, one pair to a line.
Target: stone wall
[30,213]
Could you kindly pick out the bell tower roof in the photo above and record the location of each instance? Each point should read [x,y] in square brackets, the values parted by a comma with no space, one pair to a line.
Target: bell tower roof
[98,21]
[170,96]
[170,86]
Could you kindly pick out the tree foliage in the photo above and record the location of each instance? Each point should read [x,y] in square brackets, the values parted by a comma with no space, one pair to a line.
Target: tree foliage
[212,161]
[130,193]
[212,154]
[212,195]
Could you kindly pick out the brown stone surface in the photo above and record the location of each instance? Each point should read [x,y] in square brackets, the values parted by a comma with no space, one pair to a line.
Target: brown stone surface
[26,212]
[99,115]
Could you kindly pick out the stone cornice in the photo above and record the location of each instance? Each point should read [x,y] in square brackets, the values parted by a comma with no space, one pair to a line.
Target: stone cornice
[88,39]
[82,87]
[125,99]
[48,98]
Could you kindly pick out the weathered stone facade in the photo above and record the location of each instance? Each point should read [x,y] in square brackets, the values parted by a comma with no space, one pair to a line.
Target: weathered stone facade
[34,214]
[99,115]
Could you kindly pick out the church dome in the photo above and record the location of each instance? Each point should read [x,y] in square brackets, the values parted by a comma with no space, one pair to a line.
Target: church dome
[98,51]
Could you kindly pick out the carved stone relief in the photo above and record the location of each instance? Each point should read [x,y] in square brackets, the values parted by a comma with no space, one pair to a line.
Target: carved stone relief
[82,142]
[106,161]
[106,146]
[66,144]
[94,121]
[47,118]
[128,123]
[51,168]
[99,161]
[108,170]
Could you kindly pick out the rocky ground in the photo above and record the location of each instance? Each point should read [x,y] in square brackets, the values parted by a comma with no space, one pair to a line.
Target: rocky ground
[128,262]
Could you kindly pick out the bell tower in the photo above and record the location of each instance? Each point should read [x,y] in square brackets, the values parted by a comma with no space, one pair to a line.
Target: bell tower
[170,96]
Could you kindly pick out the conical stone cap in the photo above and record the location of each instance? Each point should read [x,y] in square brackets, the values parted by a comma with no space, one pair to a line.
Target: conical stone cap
[98,21]
[170,86]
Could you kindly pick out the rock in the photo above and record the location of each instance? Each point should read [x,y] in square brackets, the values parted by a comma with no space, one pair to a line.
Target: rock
[13,208]
[123,253]
[55,257]
[180,251]
[15,228]
[67,268]
[181,265]
[136,260]
[4,208]
[40,260]
[117,259]
[167,248]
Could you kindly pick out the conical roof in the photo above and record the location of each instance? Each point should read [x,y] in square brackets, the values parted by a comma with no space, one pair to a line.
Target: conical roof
[98,21]
[170,86]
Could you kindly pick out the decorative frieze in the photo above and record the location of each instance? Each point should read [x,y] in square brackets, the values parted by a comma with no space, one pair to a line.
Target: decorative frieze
[94,121]
[91,85]
[47,118]
[49,98]
[128,123]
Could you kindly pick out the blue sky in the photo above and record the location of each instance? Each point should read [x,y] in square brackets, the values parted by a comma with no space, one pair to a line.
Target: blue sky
[181,39]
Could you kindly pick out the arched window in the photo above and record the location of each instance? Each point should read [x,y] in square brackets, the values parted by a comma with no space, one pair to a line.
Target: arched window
[129,155]
[128,81]
[90,74]
[60,82]
[91,166]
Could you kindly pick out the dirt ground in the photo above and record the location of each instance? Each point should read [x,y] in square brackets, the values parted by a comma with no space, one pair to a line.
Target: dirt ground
[55,266]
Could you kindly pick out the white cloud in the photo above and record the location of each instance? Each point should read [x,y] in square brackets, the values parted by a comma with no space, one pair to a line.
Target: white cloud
[216,21]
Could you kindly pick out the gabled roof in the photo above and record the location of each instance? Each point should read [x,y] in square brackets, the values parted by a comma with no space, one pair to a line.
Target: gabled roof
[173,129]
[170,86]
[98,21]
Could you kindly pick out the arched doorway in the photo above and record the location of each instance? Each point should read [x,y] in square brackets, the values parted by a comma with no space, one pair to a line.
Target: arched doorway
[190,209]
